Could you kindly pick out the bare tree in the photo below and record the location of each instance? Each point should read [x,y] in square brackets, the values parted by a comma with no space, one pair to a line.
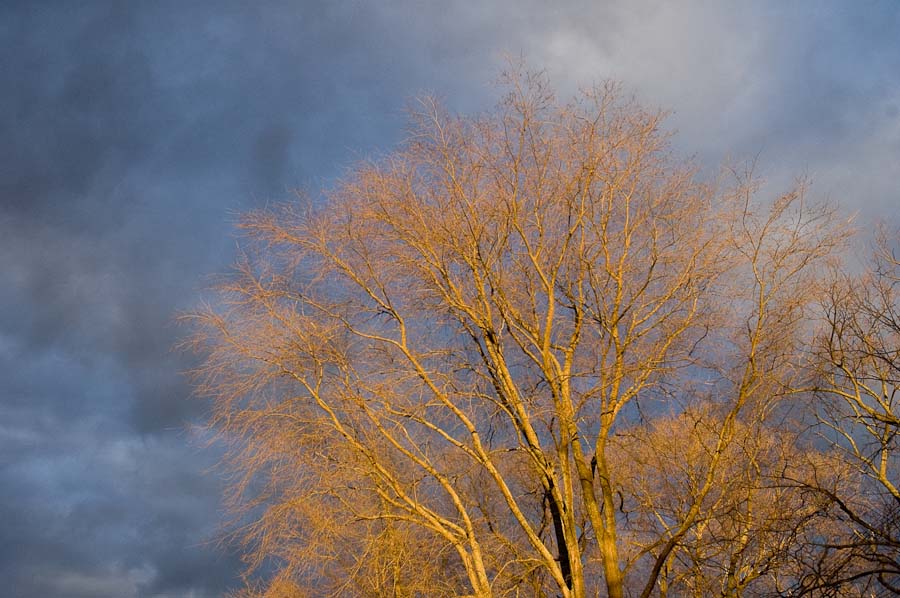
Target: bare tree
[858,409]
[434,364]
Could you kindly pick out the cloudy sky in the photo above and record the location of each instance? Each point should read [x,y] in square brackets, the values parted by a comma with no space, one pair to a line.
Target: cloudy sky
[131,133]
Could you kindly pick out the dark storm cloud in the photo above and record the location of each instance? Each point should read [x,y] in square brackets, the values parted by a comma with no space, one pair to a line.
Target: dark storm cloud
[132,132]
[130,136]
[116,516]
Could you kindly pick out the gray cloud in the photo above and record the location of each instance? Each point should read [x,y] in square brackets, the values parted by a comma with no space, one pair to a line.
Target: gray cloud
[132,133]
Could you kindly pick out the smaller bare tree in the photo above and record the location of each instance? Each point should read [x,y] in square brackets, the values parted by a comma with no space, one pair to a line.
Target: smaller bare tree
[858,387]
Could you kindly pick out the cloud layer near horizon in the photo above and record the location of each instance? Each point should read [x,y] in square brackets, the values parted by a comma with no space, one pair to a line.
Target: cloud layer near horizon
[134,131]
